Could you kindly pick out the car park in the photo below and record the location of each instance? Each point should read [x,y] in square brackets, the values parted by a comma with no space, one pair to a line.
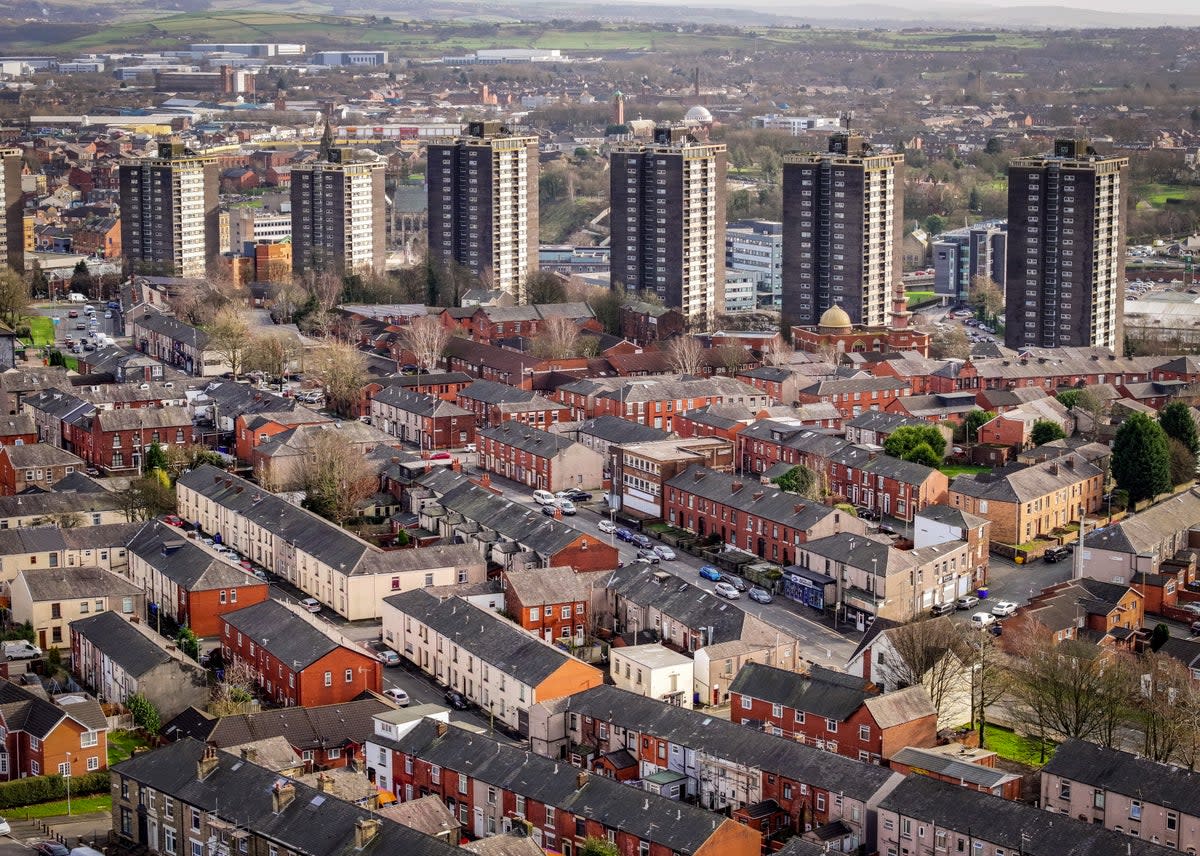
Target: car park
[759,595]
[967,601]
[724,589]
[311,604]
[543,497]
[942,608]
[397,695]
[665,553]
[980,620]
[606,526]
[1003,607]
[735,581]
[455,699]
[624,534]
[710,573]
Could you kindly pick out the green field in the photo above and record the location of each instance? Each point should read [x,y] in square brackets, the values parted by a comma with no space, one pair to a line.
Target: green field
[1014,747]
[952,470]
[79,805]
[1159,194]
[41,330]
[312,24]
[121,745]
[918,296]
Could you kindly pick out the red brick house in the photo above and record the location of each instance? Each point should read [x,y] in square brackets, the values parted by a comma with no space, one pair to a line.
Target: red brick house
[781,441]
[443,385]
[959,765]
[538,459]
[852,396]
[294,661]
[425,421]
[554,603]
[19,430]
[35,465]
[501,365]
[833,711]
[656,401]
[492,403]
[254,429]
[713,420]
[646,322]
[116,440]
[190,584]
[44,737]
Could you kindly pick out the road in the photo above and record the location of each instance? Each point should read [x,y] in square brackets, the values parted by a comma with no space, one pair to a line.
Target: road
[68,326]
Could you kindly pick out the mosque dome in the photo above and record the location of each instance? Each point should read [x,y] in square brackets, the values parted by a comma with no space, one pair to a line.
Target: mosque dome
[835,318]
[699,114]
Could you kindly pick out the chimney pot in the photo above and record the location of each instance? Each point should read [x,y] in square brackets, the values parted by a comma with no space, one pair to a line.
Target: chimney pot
[365,830]
[282,795]
[736,486]
[580,779]
[442,728]
[207,764]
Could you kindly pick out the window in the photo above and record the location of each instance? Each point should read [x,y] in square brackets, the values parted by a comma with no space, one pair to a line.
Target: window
[831,726]
[349,676]
[1098,798]
[35,744]
[197,848]
[906,827]
[435,774]
[87,740]
[64,769]
[195,813]
[1064,790]
[1172,821]
[549,816]
[864,732]
[93,764]
[1135,809]
[462,783]
[334,754]
[747,702]
[169,841]
[329,679]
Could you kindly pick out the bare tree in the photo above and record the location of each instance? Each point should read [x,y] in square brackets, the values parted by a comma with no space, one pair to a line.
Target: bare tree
[685,356]
[557,339]
[778,356]
[986,296]
[426,338]
[229,336]
[325,287]
[234,693]
[729,357]
[273,352]
[1164,690]
[929,652]
[341,370]
[337,478]
[196,303]
[950,343]
[14,297]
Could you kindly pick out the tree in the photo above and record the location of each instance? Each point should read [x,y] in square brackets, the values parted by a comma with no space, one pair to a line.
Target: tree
[1068,398]
[188,642]
[1045,431]
[986,297]
[950,343]
[923,453]
[934,224]
[233,692]
[337,478]
[545,286]
[60,520]
[929,652]
[800,479]
[14,297]
[145,714]
[229,336]
[975,420]
[1182,462]
[1095,408]
[729,357]
[1176,420]
[273,352]
[685,355]
[341,370]
[188,456]
[598,847]
[81,278]
[156,458]
[606,306]
[426,338]
[905,441]
[557,339]
[1159,636]
[1163,689]
[1141,460]
[779,356]
[146,498]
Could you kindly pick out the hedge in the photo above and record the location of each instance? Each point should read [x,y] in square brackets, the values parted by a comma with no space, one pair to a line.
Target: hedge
[40,789]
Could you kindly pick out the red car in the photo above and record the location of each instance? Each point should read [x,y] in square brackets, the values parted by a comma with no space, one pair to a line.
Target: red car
[439,456]
[173,520]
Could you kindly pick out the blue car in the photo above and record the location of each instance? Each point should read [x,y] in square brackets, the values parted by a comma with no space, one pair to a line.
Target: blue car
[624,534]
[710,573]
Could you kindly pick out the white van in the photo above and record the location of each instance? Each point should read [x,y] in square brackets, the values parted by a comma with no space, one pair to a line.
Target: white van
[76,297]
[543,497]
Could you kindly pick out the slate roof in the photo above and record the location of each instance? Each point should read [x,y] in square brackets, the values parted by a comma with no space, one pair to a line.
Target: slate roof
[418,403]
[122,643]
[57,502]
[490,392]
[173,329]
[289,636]
[304,727]
[823,693]
[240,792]
[1145,531]
[187,563]
[678,826]
[526,438]
[684,386]
[1127,774]
[901,706]
[688,604]
[1016,826]
[493,639]
[1028,483]
[134,418]
[880,420]
[945,764]
[772,504]
[39,455]
[23,710]
[22,423]
[549,585]
[614,429]
[736,743]
[66,583]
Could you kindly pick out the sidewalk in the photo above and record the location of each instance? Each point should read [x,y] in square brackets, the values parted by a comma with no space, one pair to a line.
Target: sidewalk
[70,831]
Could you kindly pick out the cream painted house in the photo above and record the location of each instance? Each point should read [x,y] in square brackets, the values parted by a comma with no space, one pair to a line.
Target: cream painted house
[51,598]
[323,560]
[654,671]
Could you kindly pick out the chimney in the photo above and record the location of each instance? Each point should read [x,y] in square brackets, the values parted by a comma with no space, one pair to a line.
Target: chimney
[324,783]
[365,830]
[442,728]
[207,763]
[798,507]
[758,494]
[735,487]
[1053,469]
[580,779]
[249,753]
[1069,463]
[456,465]
[282,795]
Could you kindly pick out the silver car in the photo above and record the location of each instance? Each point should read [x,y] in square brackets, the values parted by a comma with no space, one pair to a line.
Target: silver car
[726,590]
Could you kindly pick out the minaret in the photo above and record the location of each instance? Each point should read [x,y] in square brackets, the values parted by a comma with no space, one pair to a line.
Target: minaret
[618,108]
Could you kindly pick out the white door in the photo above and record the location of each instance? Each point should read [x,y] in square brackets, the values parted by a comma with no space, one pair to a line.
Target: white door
[480,830]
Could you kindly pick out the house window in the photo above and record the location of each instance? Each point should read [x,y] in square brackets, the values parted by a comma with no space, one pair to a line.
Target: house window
[747,702]
[549,816]
[799,717]
[195,820]
[435,774]
[864,732]
[1064,790]
[334,754]
[87,740]
[93,764]
[820,802]
[776,710]
[533,613]
[831,726]
[1135,809]
[1098,798]
[64,769]
[329,679]
[349,676]
[169,841]
[1172,821]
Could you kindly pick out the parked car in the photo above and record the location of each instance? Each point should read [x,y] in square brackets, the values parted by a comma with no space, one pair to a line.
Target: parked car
[710,573]
[606,526]
[624,534]
[51,848]
[1056,554]
[543,497]
[980,620]
[566,506]
[1003,607]
[887,530]
[311,604]
[173,520]
[724,589]
[397,695]
[456,699]
[440,456]
[942,608]
[866,513]
[577,495]
[967,601]
[1195,628]
[649,555]
[389,657]
[470,447]
[735,581]
[1193,608]
[5,829]
[642,541]
[549,510]
[664,552]
[759,595]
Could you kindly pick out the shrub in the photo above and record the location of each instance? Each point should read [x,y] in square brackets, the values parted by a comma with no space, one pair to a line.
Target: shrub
[145,714]
[40,789]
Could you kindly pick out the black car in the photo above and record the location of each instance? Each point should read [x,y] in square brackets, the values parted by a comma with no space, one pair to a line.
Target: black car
[1056,554]
[548,510]
[867,513]
[576,495]
[456,700]
[642,541]
[649,554]
[51,848]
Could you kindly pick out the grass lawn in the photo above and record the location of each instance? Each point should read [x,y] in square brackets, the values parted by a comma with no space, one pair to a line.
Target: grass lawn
[919,296]
[41,330]
[952,470]
[79,805]
[121,745]
[1014,747]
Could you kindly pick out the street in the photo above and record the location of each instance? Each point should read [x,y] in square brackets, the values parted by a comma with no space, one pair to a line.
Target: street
[77,328]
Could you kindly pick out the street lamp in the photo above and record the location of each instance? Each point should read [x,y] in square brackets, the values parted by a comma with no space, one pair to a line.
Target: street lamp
[67,776]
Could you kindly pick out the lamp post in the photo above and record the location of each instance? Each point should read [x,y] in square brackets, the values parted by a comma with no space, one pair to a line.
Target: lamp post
[67,776]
